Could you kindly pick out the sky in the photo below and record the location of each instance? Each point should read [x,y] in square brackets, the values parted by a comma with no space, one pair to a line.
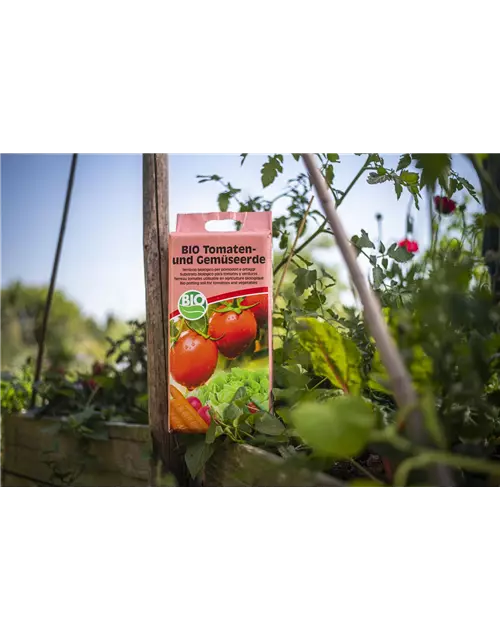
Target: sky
[101,265]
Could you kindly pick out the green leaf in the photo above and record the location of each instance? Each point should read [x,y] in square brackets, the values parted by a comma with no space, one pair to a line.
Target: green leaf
[296,156]
[435,167]
[211,434]
[223,200]
[241,394]
[462,182]
[329,174]
[354,242]
[200,326]
[398,188]
[214,178]
[271,168]
[375,178]
[378,277]
[453,186]
[268,425]
[197,455]
[333,157]
[410,177]
[243,157]
[399,254]
[332,354]
[283,241]
[314,301]
[404,161]
[304,279]
[338,428]
[364,242]
[232,413]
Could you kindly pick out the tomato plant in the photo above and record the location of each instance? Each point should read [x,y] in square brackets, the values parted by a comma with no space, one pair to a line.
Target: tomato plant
[437,303]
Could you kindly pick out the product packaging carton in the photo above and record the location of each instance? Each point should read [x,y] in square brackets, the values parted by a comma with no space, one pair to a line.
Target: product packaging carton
[220,315]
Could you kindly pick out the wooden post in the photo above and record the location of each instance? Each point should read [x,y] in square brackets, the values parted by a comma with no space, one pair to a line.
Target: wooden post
[167,454]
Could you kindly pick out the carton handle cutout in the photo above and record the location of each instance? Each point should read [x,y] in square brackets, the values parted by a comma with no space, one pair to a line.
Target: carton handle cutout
[259,221]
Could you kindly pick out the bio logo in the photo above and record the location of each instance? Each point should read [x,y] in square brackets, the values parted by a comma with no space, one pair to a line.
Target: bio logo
[192,305]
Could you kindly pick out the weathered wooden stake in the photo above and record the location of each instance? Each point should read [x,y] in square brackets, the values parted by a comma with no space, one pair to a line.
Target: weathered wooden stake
[48,304]
[167,454]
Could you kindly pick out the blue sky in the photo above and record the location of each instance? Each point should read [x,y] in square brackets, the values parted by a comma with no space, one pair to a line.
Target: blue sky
[102,262]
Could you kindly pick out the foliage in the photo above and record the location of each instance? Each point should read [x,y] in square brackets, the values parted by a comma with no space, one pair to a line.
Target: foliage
[115,390]
[72,338]
[333,402]
[332,393]
[16,389]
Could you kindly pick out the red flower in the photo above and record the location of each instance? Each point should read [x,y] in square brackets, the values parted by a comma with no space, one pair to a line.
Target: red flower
[97,368]
[410,245]
[92,384]
[444,205]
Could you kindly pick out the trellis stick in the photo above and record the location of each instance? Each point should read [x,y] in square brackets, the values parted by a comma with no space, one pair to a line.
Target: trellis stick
[53,277]
[402,386]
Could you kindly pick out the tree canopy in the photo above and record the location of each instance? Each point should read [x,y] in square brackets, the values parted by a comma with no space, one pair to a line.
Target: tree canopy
[74,339]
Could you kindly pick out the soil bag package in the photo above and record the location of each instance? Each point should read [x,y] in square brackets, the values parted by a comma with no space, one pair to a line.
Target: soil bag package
[220,313]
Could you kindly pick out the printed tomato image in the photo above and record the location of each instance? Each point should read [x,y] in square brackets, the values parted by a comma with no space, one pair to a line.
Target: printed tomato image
[193,359]
[233,329]
[260,310]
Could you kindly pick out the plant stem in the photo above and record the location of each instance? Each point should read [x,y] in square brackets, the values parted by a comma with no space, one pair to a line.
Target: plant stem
[318,383]
[302,246]
[323,225]
[402,386]
[291,254]
[450,459]
[367,473]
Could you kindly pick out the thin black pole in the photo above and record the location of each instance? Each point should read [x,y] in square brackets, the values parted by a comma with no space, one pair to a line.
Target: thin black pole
[50,294]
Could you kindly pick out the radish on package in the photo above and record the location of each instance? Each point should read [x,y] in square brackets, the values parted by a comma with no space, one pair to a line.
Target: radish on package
[220,314]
